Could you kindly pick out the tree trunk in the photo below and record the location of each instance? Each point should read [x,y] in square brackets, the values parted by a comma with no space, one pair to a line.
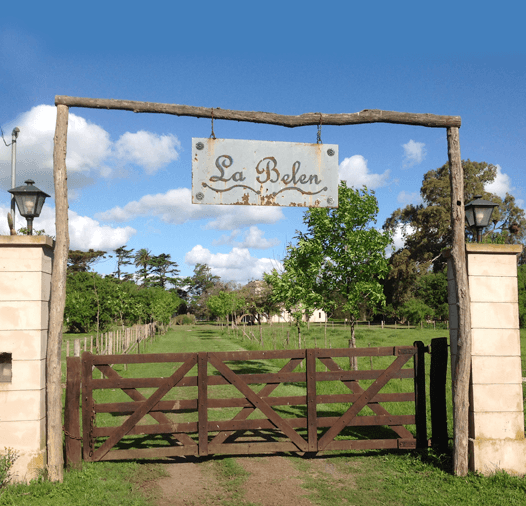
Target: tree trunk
[461,374]
[55,464]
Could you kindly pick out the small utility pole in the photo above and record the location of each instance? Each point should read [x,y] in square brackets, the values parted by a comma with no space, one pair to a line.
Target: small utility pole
[15,133]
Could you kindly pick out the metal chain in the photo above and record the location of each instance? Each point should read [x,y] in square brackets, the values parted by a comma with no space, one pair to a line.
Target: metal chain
[318,137]
[212,135]
[71,435]
[90,436]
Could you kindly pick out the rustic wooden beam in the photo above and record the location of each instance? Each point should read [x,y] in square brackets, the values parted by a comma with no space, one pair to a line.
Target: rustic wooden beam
[55,462]
[461,374]
[310,118]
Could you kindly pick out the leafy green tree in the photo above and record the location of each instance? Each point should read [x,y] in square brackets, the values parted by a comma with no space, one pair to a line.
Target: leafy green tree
[225,303]
[426,228]
[416,310]
[341,252]
[124,257]
[293,288]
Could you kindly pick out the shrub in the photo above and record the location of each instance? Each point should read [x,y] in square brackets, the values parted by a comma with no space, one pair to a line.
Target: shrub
[184,319]
[7,460]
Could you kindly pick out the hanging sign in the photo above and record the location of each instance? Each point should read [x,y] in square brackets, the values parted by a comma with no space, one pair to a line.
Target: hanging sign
[263,173]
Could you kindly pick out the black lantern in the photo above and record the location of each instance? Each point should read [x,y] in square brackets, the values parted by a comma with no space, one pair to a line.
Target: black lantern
[30,201]
[478,214]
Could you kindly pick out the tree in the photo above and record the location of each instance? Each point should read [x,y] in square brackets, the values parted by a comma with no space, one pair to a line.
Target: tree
[198,288]
[225,303]
[341,252]
[163,271]
[258,300]
[426,227]
[124,257]
[82,261]
[142,261]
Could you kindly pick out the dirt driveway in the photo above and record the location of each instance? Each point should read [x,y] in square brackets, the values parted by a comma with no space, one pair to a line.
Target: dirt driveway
[261,481]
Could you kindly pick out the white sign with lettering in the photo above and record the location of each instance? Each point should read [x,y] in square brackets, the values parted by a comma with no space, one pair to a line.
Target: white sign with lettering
[264,173]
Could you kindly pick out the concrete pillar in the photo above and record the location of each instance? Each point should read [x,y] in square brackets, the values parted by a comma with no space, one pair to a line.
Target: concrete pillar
[496,415]
[25,283]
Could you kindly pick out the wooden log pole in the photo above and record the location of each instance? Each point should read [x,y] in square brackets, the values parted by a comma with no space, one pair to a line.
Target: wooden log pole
[55,464]
[461,374]
[310,118]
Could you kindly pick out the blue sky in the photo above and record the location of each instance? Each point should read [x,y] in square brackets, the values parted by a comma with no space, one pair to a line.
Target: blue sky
[130,174]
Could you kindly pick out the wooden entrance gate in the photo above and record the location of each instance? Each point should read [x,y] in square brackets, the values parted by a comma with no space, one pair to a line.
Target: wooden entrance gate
[211,403]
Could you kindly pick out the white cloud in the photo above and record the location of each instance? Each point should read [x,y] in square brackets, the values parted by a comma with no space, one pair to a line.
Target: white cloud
[399,236]
[252,238]
[414,153]
[90,149]
[501,185]
[409,198]
[149,150]
[238,265]
[354,170]
[84,232]
[175,206]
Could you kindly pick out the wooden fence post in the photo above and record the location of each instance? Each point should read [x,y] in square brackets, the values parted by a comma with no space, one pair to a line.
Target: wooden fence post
[312,425]
[420,395]
[437,387]
[202,386]
[71,414]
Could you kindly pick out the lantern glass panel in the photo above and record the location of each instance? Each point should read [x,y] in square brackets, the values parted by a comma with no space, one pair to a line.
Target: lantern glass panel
[482,216]
[469,216]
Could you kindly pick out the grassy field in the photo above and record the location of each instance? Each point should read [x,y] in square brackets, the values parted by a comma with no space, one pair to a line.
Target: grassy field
[365,478]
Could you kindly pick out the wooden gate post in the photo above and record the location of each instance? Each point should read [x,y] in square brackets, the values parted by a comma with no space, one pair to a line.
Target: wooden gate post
[437,390]
[202,386]
[72,415]
[420,395]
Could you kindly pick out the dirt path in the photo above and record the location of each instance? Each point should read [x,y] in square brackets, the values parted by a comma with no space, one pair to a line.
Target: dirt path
[271,481]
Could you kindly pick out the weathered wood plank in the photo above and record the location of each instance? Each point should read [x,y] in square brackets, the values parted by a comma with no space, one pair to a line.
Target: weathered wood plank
[420,395]
[312,118]
[72,413]
[437,394]
[258,424]
[87,407]
[151,453]
[202,382]
[312,426]
[127,408]
[380,351]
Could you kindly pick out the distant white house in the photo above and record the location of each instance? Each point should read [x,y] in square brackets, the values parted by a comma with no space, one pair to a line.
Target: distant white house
[318,316]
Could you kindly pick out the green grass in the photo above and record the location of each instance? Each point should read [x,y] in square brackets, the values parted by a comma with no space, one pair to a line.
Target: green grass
[104,483]
[364,478]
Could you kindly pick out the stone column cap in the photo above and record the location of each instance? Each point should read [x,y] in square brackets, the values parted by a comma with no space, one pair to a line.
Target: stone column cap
[494,249]
[10,241]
